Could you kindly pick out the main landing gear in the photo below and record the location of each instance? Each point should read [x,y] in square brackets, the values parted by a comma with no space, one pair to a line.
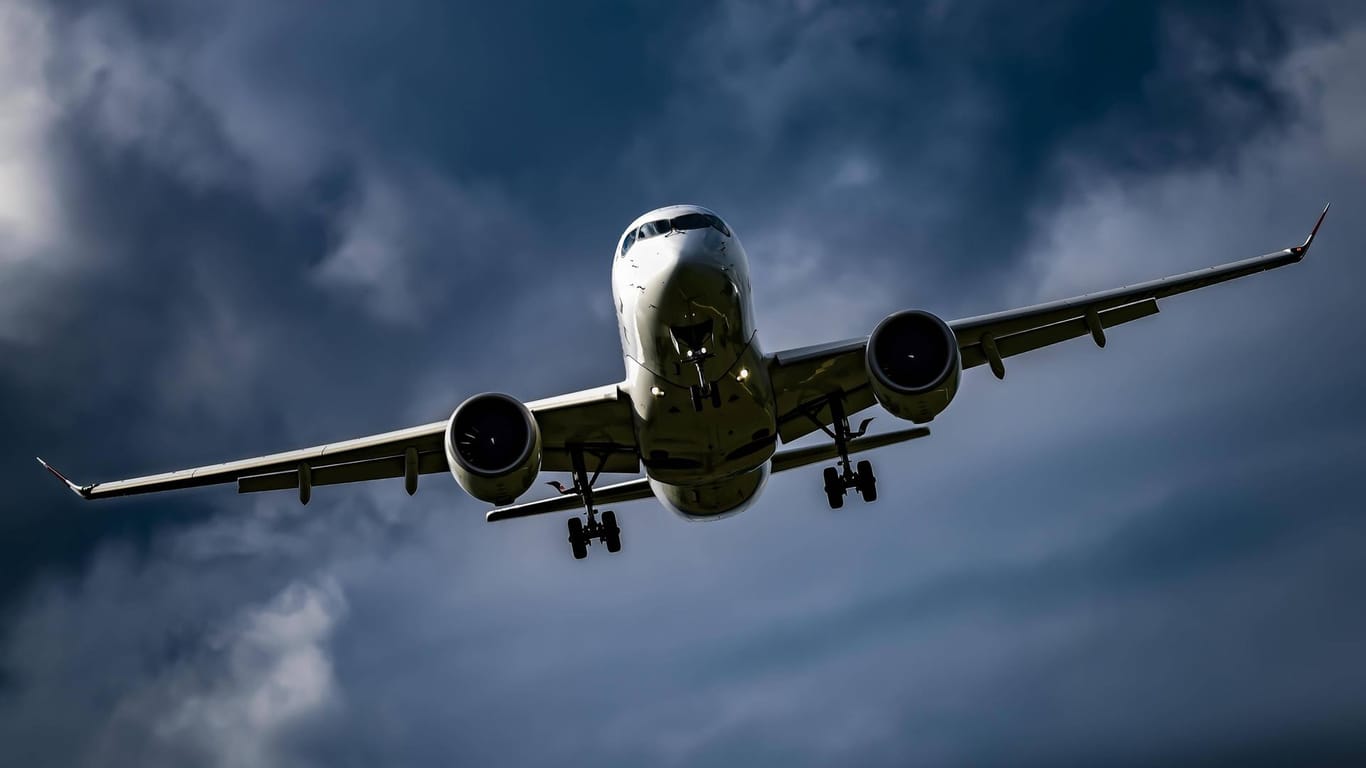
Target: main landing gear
[582,530]
[838,480]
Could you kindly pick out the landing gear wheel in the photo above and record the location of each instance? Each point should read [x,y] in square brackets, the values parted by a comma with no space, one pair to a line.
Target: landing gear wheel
[584,530]
[867,483]
[611,532]
[841,478]
[715,396]
[834,488]
[577,540]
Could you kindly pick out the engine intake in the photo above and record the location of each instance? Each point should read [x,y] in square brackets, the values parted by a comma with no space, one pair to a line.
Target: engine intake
[493,447]
[914,365]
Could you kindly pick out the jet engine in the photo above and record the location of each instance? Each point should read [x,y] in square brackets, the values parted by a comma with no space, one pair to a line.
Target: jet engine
[914,365]
[493,447]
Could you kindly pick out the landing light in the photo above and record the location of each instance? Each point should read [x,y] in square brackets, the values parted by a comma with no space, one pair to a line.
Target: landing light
[744,374]
[656,391]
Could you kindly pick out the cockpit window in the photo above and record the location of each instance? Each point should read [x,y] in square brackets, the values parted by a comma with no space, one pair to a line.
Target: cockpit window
[719,225]
[691,221]
[677,224]
[654,228]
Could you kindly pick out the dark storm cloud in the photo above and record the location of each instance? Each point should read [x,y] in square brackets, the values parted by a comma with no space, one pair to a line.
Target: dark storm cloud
[193,257]
[964,111]
[278,227]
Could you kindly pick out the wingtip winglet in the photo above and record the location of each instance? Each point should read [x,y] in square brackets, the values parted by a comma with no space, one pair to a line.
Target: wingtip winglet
[1304,248]
[79,490]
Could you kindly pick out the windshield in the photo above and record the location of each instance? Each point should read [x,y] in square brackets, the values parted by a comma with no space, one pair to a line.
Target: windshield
[681,223]
[655,228]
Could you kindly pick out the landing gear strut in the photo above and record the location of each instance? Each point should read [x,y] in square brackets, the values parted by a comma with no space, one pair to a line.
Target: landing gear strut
[839,480]
[582,530]
[703,389]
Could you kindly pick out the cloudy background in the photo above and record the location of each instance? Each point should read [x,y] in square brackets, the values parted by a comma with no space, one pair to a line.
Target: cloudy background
[242,227]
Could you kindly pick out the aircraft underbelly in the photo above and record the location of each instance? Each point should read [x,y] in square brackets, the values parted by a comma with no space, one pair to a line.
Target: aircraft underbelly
[680,444]
[712,500]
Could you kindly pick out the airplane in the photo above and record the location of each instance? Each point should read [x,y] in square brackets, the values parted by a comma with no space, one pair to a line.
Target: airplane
[702,408]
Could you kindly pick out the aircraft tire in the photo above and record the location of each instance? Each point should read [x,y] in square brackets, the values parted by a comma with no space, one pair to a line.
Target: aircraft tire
[834,489]
[867,482]
[576,538]
[612,531]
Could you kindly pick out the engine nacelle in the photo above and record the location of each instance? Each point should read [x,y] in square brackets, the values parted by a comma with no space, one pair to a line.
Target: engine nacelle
[493,447]
[914,365]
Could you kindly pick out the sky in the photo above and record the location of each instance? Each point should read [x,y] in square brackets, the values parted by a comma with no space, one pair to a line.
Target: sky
[244,227]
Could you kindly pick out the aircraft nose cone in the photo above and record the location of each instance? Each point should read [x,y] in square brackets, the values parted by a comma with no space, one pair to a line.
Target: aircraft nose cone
[689,273]
[697,279]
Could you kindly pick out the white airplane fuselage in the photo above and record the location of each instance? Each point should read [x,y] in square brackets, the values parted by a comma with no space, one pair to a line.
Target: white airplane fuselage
[704,407]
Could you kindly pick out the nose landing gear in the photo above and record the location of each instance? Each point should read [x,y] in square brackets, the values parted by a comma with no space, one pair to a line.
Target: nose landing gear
[583,530]
[838,480]
[703,389]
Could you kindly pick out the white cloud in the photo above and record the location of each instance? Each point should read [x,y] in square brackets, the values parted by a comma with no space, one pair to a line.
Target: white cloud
[28,208]
[196,106]
[1324,75]
[802,295]
[855,170]
[175,659]
[410,224]
[268,670]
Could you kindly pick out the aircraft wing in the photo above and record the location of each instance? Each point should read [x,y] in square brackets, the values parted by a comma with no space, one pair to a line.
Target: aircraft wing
[600,416]
[804,379]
